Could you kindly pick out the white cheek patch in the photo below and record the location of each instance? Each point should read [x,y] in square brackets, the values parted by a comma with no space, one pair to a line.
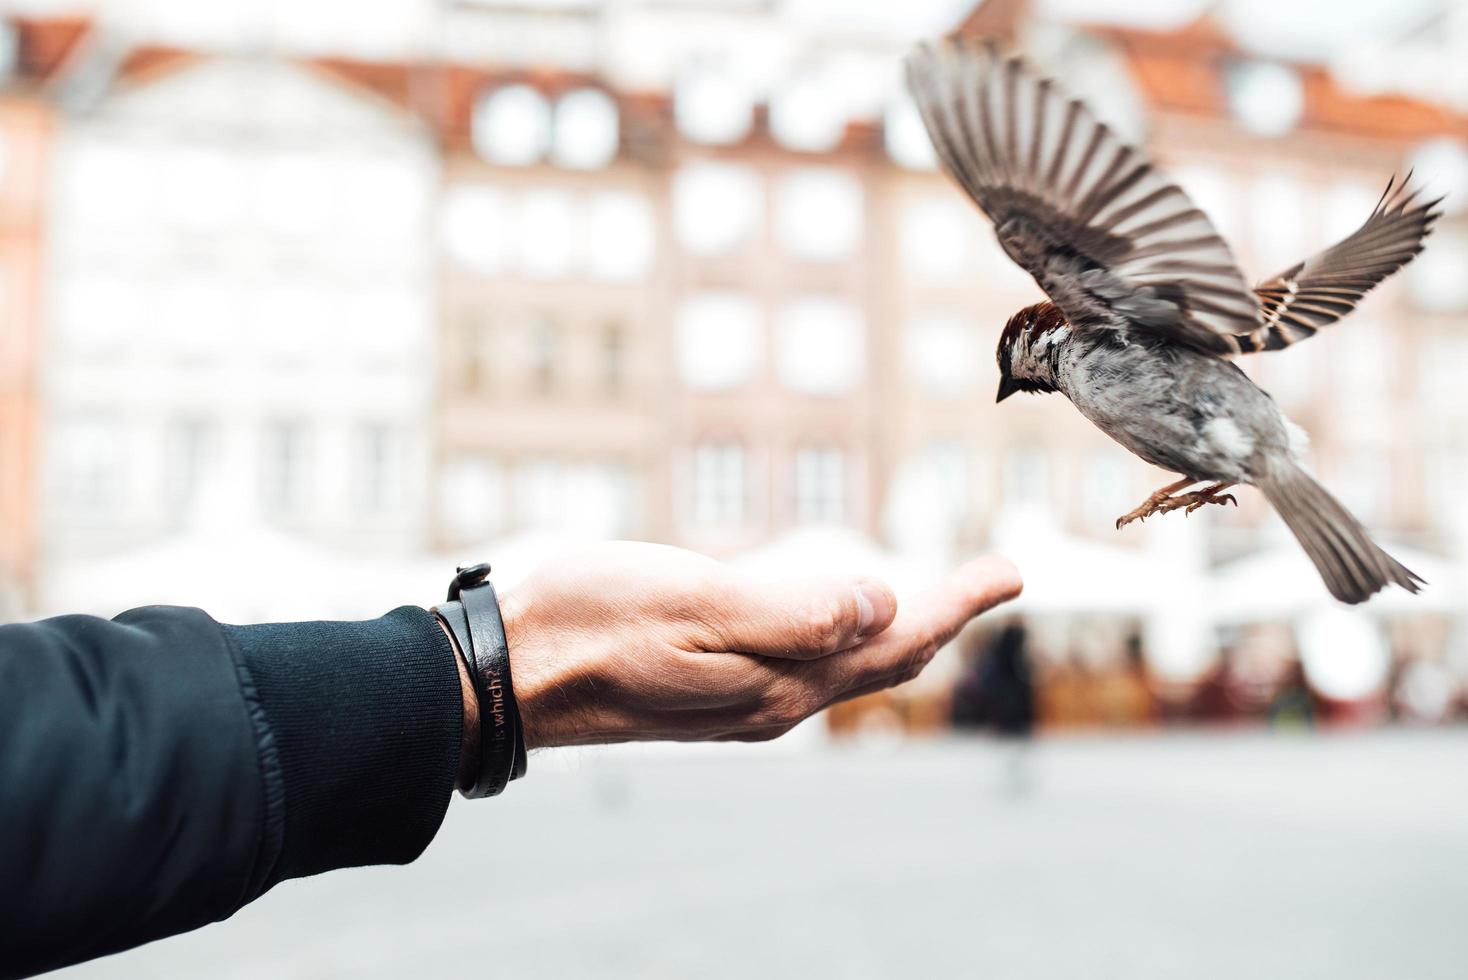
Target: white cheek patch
[1228,438]
[1051,339]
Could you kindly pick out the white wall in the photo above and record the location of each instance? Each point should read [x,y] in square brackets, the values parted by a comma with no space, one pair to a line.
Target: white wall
[238,246]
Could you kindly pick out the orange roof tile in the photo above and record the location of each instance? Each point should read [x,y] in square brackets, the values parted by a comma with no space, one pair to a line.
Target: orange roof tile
[1183,70]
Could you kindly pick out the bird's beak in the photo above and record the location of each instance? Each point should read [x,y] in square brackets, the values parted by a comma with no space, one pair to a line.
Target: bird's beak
[1007,387]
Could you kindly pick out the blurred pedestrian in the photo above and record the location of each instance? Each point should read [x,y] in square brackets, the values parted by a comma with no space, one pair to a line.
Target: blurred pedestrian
[998,691]
[1293,706]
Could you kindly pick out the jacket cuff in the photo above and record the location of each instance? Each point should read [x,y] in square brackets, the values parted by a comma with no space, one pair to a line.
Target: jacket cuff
[365,719]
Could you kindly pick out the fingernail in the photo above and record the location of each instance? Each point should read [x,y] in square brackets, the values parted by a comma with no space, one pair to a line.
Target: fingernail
[872,603]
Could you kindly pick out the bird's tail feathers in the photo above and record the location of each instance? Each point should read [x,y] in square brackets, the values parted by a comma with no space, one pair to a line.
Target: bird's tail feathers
[1353,566]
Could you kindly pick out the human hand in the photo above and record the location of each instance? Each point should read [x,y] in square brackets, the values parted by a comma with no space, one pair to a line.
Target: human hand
[627,641]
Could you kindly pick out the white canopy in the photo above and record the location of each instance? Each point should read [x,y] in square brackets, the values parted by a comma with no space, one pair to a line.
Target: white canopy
[1282,584]
[243,575]
[1067,574]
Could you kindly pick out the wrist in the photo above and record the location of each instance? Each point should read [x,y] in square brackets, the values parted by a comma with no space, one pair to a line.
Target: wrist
[469,735]
[555,697]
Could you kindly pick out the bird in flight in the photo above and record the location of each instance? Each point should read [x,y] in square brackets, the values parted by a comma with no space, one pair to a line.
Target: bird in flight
[1146,302]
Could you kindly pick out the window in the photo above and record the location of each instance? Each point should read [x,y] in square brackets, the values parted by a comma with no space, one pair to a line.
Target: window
[472,498]
[1361,480]
[1445,473]
[591,498]
[949,464]
[192,317]
[1026,477]
[546,234]
[1277,217]
[385,323]
[99,315]
[187,445]
[295,193]
[91,470]
[819,213]
[937,238]
[286,467]
[386,196]
[1289,374]
[545,349]
[822,346]
[477,353]
[719,484]
[716,207]
[905,136]
[475,228]
[1440,370]
[206,189]
[620,237]
[820,485]
[1444,162]
[1436,276]
[512,126]
[1268,98]
[1368,357]
[1348,204]
[380,467]
[719,340]
[540,493]
[712,106]
[1105,491]
[808,114]
[613,358]
[586,130]
[931,498]
[113,183]
[943,354]
[1213,192]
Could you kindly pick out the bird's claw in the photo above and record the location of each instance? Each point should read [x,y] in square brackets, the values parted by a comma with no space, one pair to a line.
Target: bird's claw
[1140,514]
[1165,504]
[1203,501]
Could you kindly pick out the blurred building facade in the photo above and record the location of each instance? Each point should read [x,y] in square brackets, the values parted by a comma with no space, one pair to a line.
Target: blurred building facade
[684,272]
[25,145]
[241,311]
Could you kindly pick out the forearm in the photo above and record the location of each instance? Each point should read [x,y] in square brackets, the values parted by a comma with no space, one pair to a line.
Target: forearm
[161,770]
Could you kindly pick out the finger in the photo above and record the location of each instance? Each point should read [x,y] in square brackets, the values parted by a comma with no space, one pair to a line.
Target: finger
[923,627]
[802,621]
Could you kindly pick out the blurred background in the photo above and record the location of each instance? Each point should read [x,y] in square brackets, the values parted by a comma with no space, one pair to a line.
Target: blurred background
[302,302]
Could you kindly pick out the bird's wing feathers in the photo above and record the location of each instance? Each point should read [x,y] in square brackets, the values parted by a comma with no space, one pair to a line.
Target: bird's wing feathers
[1108,237]
[1327,286]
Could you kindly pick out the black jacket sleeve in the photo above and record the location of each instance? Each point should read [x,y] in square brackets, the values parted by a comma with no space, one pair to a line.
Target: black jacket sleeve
[161,770]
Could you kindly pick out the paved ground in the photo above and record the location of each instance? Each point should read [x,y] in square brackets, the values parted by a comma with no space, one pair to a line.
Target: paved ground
[1156,856]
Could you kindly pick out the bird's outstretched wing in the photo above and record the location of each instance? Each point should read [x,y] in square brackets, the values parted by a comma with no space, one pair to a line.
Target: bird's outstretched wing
[1328,285]
[1113,242]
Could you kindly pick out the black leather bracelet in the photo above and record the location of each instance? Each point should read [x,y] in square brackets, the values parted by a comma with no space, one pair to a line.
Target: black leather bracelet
[472,616]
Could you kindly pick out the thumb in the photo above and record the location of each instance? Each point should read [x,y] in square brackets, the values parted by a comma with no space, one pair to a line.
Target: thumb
[803,620]
[927,623]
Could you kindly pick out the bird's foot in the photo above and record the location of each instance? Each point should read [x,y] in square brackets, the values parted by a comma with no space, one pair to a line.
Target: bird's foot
[1210,495]
[1157,503]
[1189,502]
[1167,500]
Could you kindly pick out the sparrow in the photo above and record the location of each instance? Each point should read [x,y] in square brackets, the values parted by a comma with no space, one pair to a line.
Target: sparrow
[1147,305]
